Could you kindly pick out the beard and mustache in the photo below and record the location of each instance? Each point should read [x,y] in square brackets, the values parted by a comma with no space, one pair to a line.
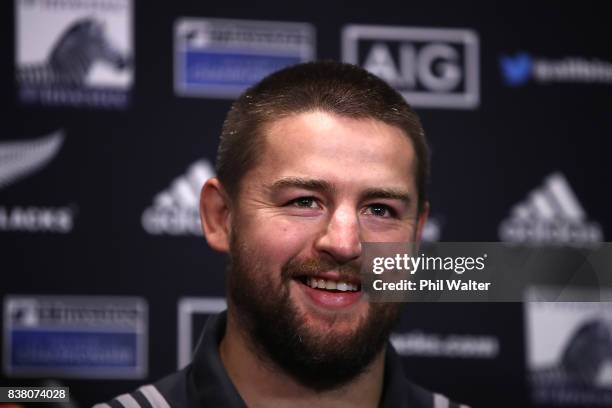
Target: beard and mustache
[278,330]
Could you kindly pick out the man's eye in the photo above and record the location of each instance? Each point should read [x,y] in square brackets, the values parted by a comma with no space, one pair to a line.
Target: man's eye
[304,202]
[379,210]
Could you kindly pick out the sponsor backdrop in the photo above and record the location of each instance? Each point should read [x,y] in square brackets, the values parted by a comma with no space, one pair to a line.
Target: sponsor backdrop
[111,113]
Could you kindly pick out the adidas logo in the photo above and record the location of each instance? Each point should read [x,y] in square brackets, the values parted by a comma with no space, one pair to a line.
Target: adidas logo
[551,214]
[175,211]
[19,159]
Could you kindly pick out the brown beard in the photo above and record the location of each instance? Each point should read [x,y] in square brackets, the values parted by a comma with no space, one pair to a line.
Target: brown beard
[278,331]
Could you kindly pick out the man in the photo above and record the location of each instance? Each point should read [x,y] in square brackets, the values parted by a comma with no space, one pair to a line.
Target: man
[313,160]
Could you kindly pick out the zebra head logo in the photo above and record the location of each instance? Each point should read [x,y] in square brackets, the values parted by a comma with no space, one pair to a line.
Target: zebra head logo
[80,46]
[588,352]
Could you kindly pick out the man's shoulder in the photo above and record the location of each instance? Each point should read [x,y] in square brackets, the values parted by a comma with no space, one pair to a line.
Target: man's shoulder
[400,391]
[422,397]
[170,391]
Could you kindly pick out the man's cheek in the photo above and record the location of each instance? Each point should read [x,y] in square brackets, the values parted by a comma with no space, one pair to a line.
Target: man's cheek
[396,231]
[286,240]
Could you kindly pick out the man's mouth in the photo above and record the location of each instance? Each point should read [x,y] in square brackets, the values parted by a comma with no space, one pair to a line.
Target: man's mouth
[331,291]
[329,284]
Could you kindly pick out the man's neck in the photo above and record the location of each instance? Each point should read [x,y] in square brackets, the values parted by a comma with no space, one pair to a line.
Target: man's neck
[264,385]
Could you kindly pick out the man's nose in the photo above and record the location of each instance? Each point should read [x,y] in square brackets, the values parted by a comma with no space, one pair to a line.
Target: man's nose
[341,238]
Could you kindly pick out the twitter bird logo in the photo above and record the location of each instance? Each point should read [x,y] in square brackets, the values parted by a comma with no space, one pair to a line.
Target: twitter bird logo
[517,69]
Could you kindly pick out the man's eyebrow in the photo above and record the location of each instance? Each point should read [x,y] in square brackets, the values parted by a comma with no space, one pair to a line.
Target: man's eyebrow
[387,193]
[304,183]
[324,186]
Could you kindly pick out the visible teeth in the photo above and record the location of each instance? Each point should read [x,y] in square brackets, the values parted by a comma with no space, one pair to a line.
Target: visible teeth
[331,284]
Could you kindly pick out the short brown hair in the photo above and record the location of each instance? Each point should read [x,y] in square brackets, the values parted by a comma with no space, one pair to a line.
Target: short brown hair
[339,88]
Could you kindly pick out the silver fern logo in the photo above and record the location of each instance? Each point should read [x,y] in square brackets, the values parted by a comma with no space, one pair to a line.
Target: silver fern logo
[19,159]
[74,53]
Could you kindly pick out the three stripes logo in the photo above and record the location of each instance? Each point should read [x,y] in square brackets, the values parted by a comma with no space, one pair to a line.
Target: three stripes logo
[175,211]
[551,214]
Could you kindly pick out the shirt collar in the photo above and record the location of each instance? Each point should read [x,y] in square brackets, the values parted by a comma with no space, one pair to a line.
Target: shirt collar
[209,385]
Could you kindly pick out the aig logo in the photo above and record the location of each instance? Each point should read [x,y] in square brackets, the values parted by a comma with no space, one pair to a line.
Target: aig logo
[431,68]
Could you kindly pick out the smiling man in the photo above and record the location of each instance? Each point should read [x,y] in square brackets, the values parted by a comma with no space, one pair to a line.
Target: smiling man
[313,160]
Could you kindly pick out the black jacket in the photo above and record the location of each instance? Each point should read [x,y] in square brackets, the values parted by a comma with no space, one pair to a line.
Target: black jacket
[205,383]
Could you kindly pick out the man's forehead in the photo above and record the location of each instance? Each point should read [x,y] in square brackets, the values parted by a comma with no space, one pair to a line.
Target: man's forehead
[324,146]
[328,133]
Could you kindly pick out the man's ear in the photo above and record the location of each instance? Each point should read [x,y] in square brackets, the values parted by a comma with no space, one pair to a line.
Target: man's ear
[422,219]
[215,215]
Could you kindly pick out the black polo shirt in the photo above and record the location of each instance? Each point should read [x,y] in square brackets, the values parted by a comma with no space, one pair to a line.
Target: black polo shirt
[205,383]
